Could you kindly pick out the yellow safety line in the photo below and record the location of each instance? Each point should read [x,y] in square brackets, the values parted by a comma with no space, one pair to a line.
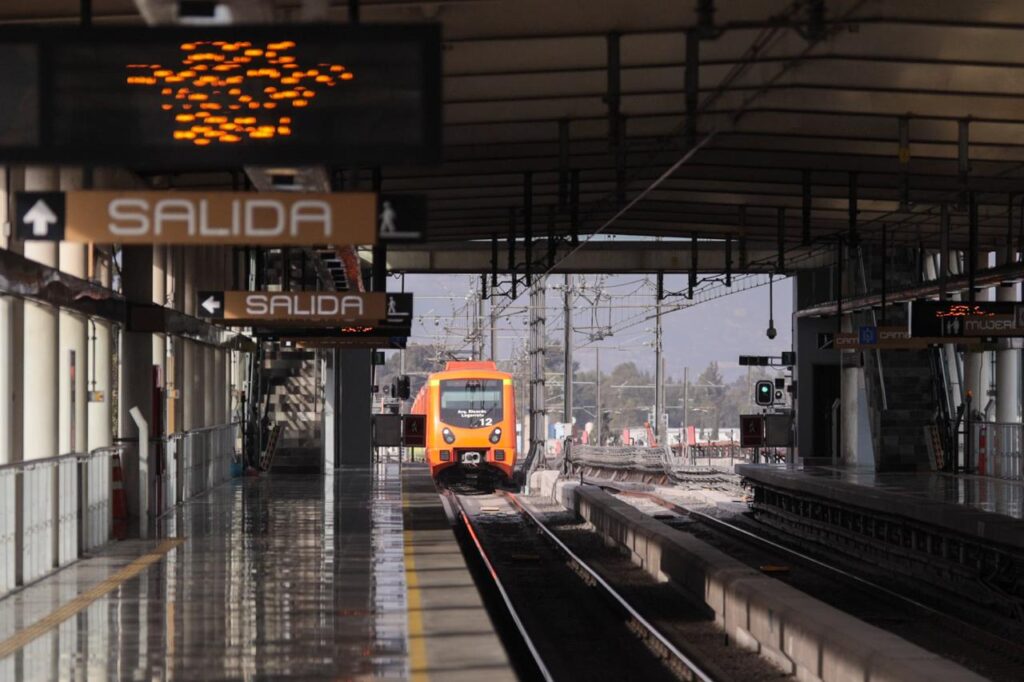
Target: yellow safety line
[55,618]
[414,607]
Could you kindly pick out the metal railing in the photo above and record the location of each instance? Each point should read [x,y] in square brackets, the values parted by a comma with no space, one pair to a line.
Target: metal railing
[195,461]
[52,511]
[997,449]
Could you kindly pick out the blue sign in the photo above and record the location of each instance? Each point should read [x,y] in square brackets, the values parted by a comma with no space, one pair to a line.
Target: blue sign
[868,336]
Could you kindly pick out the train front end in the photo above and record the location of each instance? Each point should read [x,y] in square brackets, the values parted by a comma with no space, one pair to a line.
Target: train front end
[471,432]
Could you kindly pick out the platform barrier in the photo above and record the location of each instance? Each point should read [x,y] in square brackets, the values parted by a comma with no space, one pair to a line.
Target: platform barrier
[197,460]
[52,511]
[998,449]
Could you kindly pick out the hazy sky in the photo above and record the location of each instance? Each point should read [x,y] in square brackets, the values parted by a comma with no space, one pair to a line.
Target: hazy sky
[721,329]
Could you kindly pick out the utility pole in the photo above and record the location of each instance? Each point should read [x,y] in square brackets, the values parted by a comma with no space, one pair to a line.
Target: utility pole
[538,394]
[686,401]
[478,329]
[567,316]
[597,352]
[494,330]
[659,374]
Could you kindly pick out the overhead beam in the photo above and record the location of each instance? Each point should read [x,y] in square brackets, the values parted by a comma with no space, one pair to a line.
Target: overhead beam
[612,257]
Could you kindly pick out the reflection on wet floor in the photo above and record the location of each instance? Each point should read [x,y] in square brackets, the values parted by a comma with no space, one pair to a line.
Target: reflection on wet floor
[285,576]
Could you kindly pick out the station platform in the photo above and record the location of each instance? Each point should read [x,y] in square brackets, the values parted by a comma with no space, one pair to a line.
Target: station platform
[987,509]
[282,577]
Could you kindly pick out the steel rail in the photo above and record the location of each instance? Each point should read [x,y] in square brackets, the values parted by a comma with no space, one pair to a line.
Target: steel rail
[692,666]
[732,529]
[509,606]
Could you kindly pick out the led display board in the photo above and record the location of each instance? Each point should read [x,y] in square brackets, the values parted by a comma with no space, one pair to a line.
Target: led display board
[956,319]
[187,97]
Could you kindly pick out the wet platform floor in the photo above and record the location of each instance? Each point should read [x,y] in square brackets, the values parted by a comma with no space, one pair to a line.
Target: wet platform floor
[298,577]
[978,505]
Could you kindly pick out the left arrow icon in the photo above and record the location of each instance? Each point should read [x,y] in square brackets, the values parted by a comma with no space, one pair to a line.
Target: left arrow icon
[211,305]
[40,217]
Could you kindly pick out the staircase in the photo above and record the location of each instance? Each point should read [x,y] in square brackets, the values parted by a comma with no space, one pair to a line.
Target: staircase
[901,384]
[293,403]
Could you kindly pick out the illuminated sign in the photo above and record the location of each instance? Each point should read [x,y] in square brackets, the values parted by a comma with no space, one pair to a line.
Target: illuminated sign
[192,218]
[188,97]
[954,319]
[369,342]
[311,307]
[226,91]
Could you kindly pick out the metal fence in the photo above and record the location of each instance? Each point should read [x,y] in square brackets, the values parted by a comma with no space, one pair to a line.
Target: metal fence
[195,461]
[51,512]
[997,449]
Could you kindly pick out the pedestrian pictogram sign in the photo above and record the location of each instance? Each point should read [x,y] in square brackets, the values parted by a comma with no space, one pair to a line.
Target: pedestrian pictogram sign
[40,215]
[751,430]
[402,218]
[414,430]
[312,308]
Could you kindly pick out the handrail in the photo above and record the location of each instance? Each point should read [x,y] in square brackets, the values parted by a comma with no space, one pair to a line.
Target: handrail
[201,429]
[57,459]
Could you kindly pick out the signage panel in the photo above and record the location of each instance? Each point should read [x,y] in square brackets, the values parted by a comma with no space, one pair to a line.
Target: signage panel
[751,430]
[414,430]
[222,96]
[886,338]
[370,342]
[307,307]
[211,218]
[956,319]
[387,430]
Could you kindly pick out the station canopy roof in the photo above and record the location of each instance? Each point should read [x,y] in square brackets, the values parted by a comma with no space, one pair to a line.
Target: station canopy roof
[787,107]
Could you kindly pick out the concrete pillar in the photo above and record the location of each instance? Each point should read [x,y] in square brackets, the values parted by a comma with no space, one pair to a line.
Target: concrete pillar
[1007,367]
[857,445]
[328,426]
[39,374]
[192,391]
[100,432]
[976,363]
[73,334]
[176,368]
[8,453]
[159,275]
[354,439]
[136,368]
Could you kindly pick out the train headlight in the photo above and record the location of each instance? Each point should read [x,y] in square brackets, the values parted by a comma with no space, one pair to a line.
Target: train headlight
[495,435]
[448,436]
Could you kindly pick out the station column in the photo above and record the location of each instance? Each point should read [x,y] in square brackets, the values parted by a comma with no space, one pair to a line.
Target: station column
[39,391]
[136,365]
[1007,367]
[354,442]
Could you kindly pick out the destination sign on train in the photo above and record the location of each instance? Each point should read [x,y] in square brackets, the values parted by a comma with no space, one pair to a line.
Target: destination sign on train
[199,218]
[187,97]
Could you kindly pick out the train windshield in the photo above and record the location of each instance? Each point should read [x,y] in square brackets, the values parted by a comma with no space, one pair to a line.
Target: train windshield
[471,403]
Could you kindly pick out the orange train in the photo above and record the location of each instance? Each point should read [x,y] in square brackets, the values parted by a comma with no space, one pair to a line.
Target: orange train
[471,421]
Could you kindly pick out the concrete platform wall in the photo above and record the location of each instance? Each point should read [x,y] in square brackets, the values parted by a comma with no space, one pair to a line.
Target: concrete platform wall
[806,638]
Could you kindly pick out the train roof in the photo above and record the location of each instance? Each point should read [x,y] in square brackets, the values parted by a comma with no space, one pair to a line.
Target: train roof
[470,369]
[455,365]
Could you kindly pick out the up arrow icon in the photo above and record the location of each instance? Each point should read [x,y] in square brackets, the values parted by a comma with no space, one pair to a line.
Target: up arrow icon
[42,215]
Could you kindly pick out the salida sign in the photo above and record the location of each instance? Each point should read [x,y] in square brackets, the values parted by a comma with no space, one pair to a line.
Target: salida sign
[245,307]
[207,218]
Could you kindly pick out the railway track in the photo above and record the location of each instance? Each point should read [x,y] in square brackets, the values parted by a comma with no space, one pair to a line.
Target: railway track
[571,622]
[986,652]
